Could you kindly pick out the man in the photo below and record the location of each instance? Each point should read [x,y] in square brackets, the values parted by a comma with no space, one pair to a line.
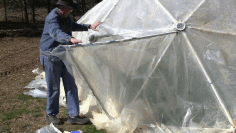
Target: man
[57,31]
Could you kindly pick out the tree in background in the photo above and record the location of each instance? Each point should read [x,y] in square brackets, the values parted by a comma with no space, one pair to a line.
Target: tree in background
[28,7]
[5,5]
[26,12]
[33,10]
[49,5]
[83,6]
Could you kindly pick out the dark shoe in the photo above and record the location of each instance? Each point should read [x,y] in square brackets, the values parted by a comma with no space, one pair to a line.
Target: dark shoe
[78,120]
[53,119]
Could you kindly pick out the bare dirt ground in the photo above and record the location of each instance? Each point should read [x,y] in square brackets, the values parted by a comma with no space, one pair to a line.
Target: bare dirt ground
[19,55]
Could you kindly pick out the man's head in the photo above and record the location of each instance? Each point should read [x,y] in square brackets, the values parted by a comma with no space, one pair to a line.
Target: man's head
[65,7]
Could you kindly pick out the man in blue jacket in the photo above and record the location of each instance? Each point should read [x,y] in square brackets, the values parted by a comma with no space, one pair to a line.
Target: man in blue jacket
[58,31]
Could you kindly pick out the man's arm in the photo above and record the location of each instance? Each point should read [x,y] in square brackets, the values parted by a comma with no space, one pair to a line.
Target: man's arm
[85,27]
[79,27]
[56,32]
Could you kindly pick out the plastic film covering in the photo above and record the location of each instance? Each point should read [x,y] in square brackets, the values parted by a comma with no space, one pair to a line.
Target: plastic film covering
[158,66]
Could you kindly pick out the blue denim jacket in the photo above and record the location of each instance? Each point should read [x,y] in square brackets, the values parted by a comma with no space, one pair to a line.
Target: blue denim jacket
[54,32]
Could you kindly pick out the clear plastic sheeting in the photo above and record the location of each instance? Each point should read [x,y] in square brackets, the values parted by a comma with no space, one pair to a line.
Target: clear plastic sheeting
[37,93]
[158,65]
[39,81]
[48,129]
[37,86]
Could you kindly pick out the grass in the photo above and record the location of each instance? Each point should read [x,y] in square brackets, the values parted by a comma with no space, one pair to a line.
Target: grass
[91,129]
[36,112]
[26,82]
[17,112]
[22,106]
[6,117]
[65,112]
[5,129]
[26,125]
[12,114]
[24,97]
[39,100]
[42,107]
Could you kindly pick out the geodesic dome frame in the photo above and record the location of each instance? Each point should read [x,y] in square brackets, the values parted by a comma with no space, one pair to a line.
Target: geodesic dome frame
[163,66]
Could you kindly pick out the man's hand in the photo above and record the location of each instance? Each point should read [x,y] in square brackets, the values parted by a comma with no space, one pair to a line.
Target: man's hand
[94,26]
[75,41]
